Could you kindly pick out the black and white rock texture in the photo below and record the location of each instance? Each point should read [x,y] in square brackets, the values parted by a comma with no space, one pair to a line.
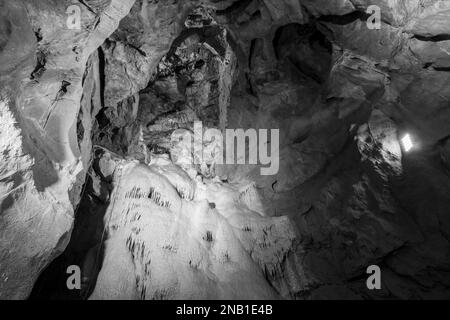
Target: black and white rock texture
[87,116]
[161,246]
[42,67]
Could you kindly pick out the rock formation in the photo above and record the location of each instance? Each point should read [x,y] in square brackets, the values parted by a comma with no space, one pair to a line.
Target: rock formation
[91,175]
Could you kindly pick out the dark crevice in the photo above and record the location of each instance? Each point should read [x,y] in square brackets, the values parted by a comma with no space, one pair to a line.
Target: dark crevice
[141,52]
[80,128]
[38,34]
[86,246]
[437,38]
[252,49]
[442,69]
[64,85]
[345,19]
[40,65]
[101,67]
[87,6]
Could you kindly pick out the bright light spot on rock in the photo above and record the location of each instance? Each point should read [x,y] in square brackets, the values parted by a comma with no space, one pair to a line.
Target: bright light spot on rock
[407,142]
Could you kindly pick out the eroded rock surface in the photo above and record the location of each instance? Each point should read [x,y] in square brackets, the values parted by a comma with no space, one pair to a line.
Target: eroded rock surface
[42,66]
[342,94]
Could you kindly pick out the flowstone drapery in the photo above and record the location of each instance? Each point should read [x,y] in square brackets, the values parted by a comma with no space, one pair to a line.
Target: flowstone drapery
[200,242]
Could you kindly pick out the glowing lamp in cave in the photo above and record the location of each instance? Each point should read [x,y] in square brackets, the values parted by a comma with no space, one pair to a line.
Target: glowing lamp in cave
[407,142]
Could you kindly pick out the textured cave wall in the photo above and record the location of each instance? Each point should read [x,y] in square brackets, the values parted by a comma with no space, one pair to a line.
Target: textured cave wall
[341,94]
[164,57]
[357,198]
[42,66]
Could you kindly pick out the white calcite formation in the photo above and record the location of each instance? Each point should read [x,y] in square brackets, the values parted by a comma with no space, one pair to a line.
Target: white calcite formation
[170,237]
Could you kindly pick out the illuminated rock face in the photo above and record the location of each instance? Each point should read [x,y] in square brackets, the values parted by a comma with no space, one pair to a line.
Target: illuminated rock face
[78,105]
[42,63]
[161,246]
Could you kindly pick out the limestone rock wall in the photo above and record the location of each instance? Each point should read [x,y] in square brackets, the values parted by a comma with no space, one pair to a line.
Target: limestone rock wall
[342,94]
[42,66]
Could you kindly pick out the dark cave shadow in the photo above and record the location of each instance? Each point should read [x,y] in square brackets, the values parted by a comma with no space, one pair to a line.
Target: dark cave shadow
[85,249]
